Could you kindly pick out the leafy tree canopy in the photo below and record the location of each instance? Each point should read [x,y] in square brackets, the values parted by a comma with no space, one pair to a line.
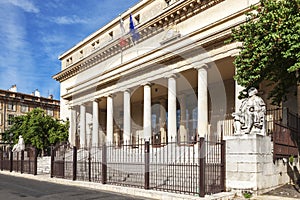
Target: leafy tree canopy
[37,129]
[270,48]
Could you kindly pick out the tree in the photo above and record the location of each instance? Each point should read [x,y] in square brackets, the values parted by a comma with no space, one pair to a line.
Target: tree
[270,49]
[37,129]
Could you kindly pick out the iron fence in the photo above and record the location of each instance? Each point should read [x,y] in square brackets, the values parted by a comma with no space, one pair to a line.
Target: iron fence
[23,162]
[193,168]
[286,136]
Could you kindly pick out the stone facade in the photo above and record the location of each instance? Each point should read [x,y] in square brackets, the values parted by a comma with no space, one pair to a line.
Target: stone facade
[176,81]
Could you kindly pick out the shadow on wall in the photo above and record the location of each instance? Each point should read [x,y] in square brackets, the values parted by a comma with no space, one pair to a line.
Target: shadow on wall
[294,175]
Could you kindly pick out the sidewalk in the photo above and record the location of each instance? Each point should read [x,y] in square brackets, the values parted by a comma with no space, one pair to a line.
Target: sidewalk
[152,194]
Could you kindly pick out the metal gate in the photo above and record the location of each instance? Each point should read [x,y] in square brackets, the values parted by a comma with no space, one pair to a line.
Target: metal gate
[62,158]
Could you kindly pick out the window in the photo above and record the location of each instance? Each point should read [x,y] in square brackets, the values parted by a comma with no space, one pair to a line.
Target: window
[137,18]
[1,105]
[50,112]
[111,34]
[11,106]
[69,61]
[168,2]
[10,118]
[24,108]
[1,119]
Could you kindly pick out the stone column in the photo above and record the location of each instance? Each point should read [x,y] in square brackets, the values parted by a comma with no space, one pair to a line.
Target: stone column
[110,120]
[95,136]
[172,129]
[202,101]
[72,129]
[182,127]
[82,126]
[147,111]
[127,118]
[163,121]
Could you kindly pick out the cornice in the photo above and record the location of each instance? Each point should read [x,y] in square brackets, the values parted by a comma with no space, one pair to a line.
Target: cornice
[202,42]
[174,14]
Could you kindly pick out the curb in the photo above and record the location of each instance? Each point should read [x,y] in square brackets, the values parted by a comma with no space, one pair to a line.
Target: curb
[137,192]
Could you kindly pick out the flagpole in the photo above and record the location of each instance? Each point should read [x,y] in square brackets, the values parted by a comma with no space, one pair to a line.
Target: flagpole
[121,55]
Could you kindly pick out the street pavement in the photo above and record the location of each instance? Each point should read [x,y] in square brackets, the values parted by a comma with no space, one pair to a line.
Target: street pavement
[15,186]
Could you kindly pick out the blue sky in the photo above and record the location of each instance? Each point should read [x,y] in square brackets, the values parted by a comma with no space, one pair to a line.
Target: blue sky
[33,33]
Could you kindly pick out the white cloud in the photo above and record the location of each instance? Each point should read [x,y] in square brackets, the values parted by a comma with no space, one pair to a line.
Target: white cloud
[26,5]
[69,20]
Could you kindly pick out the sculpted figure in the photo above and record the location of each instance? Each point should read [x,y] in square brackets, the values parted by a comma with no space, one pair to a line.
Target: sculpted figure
[251,115]
[20,146]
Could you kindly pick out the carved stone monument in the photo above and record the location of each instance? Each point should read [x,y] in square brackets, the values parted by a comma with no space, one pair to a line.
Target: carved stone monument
[251,116]
[20,146]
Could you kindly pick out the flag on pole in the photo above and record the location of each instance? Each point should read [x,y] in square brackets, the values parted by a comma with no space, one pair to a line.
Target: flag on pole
[134,34]
[122,40]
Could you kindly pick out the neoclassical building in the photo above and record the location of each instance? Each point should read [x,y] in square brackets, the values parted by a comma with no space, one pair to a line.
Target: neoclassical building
[172,81]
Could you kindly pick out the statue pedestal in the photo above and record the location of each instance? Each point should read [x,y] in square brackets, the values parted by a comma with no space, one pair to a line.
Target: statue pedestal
[249,163]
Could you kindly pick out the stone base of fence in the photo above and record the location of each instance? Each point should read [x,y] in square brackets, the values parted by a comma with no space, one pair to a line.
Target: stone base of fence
[43,165]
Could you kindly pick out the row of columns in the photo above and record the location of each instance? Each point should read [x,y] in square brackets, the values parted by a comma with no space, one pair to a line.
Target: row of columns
[172,121]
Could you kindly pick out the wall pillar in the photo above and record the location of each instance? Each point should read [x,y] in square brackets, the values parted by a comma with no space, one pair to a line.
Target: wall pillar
[95,136]
[82,126]
[172,128]
[163,121]
[202,101]
[182,128]
[110,120]
[147,112]
[127,118]
[72,128]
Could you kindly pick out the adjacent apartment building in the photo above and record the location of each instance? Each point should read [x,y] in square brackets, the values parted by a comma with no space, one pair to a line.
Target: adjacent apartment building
[13,103]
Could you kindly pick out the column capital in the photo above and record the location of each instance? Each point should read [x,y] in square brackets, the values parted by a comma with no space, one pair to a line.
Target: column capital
[202,66]
[82,104]
[175,76]
[110,95]
[147,84]
[97,99]
[127,90]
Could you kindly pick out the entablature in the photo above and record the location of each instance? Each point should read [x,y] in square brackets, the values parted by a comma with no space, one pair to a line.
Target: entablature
[172,15]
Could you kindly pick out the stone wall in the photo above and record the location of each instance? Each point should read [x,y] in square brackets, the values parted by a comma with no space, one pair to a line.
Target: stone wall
[250,165]
[43,165]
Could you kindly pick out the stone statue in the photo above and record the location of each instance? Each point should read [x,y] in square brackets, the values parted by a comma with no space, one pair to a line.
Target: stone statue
[20,146]
[251,115]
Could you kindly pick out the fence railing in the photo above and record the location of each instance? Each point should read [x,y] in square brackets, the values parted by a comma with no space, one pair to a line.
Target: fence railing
[23,162]
[286,136]
[193,168]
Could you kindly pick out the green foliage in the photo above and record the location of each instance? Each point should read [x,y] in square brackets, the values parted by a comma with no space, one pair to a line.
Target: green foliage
[38,129]
[291,159]
[247,194]
[270,47]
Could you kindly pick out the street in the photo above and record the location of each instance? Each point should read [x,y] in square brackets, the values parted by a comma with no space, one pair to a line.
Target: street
[14,188]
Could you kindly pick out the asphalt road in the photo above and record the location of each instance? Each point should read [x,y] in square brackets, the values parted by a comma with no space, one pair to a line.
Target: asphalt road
[14,188]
